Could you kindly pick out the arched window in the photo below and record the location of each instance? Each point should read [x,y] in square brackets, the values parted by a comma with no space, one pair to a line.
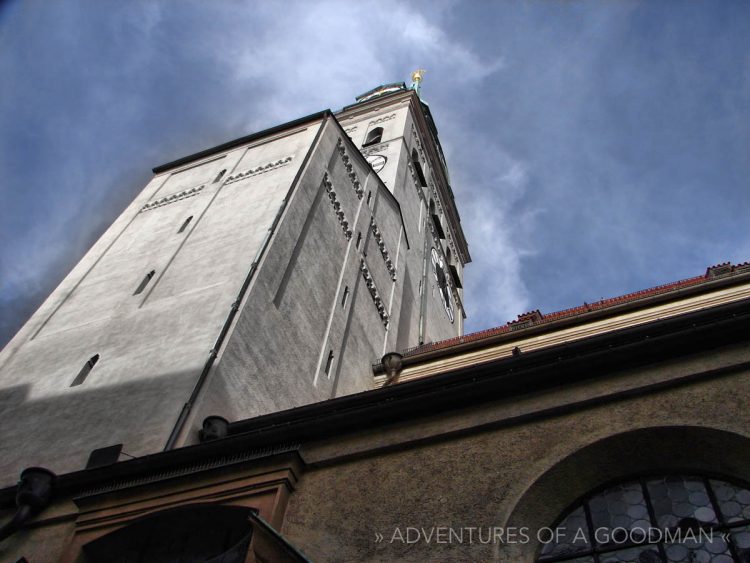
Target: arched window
[418,168]
[670,519]
[373,137]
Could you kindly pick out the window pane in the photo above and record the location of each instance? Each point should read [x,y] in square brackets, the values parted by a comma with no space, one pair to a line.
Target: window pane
[648,554]
[741,540]
[680,501]
[714,550]
[622,506]
[572,535]
[734,502]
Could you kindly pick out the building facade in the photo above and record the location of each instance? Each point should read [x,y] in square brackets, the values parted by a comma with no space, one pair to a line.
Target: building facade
[611,432]
[257,276]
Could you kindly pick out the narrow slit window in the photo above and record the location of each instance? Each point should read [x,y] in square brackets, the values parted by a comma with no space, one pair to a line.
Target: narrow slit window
[87,367]
[329,363]
[418,168]
[373,137]
[220,175]
[144,282]
[359,238]
[346,296]
[185,224]
[369,198]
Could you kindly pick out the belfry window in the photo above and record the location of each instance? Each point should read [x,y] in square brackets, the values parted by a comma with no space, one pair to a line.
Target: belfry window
[418,168]
[670,519]
[144,283]
[373,137]
[85,370]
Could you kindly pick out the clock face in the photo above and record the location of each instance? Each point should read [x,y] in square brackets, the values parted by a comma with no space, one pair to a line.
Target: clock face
[377,161]
[438,269]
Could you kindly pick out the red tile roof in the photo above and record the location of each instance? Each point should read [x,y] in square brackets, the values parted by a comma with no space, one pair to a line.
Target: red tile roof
[535,318]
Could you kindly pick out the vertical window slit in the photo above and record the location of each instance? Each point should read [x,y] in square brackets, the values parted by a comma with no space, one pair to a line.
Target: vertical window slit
[185,224]
[369,197]
[329,363]
[144,282]
[83,374]
[346,296]
[359,238]
[220,175]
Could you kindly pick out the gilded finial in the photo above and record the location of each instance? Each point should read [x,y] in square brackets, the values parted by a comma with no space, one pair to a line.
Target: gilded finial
[416,79]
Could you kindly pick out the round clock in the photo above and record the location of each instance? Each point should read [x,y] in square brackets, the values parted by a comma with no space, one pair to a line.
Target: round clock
[438,269]
[377,161]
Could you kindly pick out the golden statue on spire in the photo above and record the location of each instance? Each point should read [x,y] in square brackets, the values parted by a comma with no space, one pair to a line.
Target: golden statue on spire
[416,79]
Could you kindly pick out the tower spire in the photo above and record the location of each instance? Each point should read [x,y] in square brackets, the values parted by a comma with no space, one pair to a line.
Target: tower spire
[416,79]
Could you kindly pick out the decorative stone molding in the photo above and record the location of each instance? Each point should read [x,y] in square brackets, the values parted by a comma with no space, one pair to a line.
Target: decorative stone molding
[172,198]
[374,148]
[358,189]
[370,283]
[383,250]
[436,198]
[337,207]
[350,129]
[417,142]
[382,119]
[259,169]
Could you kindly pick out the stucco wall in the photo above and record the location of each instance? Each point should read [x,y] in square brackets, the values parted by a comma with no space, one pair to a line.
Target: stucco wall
[474,469]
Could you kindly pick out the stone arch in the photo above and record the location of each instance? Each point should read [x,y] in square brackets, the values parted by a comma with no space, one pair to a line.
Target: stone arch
[655,450]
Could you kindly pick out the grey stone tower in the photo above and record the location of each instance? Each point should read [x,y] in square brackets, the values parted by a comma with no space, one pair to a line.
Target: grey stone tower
[259,275]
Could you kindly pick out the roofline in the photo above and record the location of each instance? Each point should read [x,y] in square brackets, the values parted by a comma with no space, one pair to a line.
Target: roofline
[476,384]
[505,333]
[241,141]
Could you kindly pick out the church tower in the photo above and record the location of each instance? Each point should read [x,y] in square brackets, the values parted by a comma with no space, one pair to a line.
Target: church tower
[260,275]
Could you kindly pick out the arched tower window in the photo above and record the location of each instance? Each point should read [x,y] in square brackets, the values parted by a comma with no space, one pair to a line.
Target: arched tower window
[672,518]
[373,137]
[418,168]
[436,220]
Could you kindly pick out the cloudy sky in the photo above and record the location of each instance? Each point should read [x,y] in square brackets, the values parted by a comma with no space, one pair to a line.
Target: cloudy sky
[595,148]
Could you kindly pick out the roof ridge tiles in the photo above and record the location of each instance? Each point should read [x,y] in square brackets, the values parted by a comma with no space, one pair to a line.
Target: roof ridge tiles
[534,317]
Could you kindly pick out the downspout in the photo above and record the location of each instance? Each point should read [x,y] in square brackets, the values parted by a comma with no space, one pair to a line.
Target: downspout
[188,406]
